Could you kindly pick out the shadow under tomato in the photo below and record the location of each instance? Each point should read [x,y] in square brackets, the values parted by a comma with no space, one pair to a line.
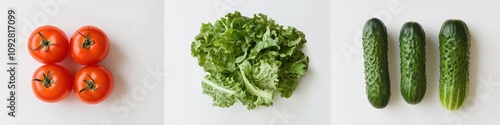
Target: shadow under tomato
[113,63]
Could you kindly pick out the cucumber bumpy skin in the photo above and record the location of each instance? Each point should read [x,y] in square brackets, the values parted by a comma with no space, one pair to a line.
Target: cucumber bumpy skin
[412,52]
[378,88]
[454,50]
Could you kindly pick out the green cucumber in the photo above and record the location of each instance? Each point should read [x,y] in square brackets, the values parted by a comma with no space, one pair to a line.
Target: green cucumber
[412,52]
[454,50]
[378,88]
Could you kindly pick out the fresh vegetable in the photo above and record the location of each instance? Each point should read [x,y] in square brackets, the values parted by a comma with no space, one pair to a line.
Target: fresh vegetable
[93,84]
[48,44]
[412,52]
[454,50]
[51,83]
[249,59]
[89,45]
[378,87]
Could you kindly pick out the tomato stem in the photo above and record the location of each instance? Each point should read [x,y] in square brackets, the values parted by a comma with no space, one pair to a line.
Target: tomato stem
[87,42]
[90,85]
[43,44]
[47,80]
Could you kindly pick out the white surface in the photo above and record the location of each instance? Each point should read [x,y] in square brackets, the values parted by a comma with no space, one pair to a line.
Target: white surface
[185,103]
[135,31]
[350,104]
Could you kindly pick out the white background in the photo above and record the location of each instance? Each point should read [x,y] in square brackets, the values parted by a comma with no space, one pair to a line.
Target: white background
[350,105]
[135,31]
[185,103]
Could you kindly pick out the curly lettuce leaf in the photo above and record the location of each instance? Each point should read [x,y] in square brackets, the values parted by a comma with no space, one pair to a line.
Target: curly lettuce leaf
[249,59]
[224,90]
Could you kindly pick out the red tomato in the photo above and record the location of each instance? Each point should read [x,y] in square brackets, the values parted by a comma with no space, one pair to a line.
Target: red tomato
[89,45]
[93,84]
[51,83]
[48,44]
